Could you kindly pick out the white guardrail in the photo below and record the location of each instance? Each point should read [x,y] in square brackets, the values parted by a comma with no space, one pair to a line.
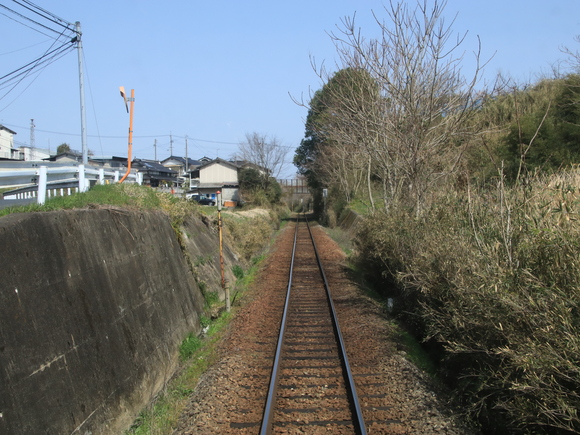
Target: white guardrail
[81,177]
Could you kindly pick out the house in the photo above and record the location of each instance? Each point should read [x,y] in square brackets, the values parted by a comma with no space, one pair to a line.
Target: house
[219,175]
[244,164]
[154,172]
[66,157]
[7,150]
[177,164]
[109,162]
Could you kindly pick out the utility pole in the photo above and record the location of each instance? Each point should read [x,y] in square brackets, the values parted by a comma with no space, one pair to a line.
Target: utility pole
[155,148]
[221,238]
[32,150]
[82,92]
[170,144]
[186,163]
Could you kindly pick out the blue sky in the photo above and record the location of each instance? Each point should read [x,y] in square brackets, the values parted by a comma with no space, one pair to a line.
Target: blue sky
[214,71]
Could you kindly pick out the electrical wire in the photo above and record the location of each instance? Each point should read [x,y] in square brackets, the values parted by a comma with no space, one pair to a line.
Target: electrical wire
[154,136]
[23,48]
[32,28]
[44,63]
[55,19]
[34,64]
[93,104]
[14,78]
[31,20]
[47,62]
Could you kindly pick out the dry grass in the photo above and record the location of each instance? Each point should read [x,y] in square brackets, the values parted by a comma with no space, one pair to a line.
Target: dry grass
[249,235]
[494,278]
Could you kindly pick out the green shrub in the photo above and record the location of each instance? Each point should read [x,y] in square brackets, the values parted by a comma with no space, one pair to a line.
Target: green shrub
[211,298]
[189,346]
[238,271]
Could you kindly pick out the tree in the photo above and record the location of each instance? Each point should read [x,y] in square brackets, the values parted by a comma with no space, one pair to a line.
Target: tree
[415,132]
[266,152]
[334,152]
[544,132]
[63,148]
[259,188]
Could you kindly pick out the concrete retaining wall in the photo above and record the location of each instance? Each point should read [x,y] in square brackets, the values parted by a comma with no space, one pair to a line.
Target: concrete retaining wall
[93,306]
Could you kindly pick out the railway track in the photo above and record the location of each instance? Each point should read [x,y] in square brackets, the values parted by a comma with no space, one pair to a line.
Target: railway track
[311,396]
[311,385]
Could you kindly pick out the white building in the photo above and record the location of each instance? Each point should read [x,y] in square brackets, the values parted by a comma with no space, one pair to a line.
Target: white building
[7,150]
[219,175]
[30,154]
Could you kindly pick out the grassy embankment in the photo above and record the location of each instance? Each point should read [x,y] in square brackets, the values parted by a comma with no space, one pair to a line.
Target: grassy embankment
[490,280]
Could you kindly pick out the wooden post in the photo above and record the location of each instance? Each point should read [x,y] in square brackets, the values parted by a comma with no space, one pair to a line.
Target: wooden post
[222,267]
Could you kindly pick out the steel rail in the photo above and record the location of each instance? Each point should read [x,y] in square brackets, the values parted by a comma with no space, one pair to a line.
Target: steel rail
[266,427]
[359,422]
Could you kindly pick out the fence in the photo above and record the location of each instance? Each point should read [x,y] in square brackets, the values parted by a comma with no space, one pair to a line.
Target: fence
[80,181]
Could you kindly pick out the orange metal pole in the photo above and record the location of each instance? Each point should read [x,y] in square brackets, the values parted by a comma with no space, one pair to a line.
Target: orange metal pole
[130,145]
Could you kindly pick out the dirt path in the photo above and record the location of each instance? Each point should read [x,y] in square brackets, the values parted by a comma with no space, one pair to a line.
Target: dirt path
[230,396]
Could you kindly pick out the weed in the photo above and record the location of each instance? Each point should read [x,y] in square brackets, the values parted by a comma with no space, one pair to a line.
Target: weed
[415,352]
[189,346]
[200,261]
[204,321]
[211,298]
[238,271]
[258,259]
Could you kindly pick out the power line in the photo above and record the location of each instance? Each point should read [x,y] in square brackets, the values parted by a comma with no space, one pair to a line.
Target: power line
[48,62]
[34,64]
[23,48]
[50,55]
[33,21]
[55,19]
[153,136]
[31,28]
[93,104]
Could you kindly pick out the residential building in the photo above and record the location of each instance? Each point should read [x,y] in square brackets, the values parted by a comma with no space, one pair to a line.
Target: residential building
[219,175]
[7,150]
[244,164]
[66,157]
[112,162]
[177,164]
[154,172]
[29,154]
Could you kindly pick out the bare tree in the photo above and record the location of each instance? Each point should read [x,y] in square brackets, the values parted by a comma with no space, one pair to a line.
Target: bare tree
[413,132]
[573,56]
[267,152]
